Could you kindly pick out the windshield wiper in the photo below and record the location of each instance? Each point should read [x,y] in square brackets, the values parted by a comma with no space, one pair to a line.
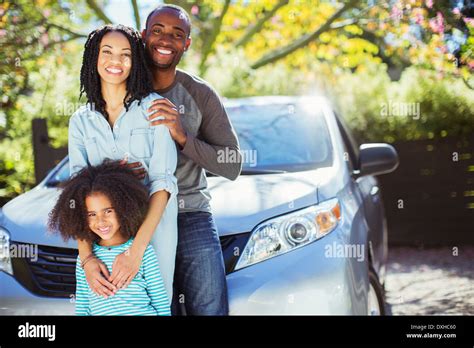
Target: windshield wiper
[53,183]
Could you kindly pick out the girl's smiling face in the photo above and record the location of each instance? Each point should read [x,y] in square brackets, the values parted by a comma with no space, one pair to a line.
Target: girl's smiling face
[103,220]
[115,58]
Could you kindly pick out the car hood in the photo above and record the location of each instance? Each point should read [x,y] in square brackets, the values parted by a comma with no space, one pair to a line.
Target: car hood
[238,206]
[26,217]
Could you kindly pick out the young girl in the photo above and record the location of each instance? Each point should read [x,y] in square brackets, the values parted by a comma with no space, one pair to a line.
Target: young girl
[106,205]
[114,124]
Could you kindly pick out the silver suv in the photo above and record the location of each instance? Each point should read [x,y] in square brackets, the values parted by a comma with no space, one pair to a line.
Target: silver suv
[302,229]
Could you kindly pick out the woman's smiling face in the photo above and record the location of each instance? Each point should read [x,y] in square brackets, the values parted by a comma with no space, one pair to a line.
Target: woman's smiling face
[115,58]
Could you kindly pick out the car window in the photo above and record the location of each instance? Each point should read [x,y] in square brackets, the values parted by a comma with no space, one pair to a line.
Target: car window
[287,137]
[62,174]
[350,144]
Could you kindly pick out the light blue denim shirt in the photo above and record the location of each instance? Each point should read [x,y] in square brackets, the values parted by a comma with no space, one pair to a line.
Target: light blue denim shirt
[92,139]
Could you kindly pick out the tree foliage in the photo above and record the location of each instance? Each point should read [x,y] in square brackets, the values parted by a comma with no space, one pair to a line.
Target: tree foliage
[354,50]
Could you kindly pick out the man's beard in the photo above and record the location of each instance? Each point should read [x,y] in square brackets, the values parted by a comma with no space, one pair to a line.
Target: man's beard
[155,65]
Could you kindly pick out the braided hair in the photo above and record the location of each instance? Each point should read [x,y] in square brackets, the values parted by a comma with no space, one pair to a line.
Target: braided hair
[139,82]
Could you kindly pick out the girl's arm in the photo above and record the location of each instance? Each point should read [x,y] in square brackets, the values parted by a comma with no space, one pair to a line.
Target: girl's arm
[154,283]
[82,299]
[95,270]
[127,264]
[162,186]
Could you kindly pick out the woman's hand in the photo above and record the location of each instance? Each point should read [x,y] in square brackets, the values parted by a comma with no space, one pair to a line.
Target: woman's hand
[96,275]
[125,267]
[136,167]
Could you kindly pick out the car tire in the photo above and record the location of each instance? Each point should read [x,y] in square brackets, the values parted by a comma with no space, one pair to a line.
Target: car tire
[375,297]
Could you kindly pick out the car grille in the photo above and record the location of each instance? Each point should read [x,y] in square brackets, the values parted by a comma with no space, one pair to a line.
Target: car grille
[53,272]
[232,248]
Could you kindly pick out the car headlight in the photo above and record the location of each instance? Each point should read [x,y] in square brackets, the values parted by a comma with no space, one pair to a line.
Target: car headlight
[5,260]
[291,231]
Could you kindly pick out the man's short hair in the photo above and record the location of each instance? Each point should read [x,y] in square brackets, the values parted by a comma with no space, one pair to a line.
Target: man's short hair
[182,14]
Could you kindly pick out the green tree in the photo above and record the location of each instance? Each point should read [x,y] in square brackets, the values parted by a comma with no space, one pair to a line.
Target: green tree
[246,48]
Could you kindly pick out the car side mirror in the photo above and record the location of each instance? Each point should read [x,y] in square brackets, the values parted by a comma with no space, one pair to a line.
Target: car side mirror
[377,158]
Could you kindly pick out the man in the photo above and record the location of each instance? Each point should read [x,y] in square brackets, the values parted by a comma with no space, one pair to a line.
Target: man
[201,128]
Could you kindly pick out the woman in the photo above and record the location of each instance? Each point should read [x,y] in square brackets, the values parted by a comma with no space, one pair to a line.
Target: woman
[114,125]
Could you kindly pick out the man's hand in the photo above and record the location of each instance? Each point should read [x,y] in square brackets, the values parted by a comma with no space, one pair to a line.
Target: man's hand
[137,167]
[125,267]
[96,275]
[166,109]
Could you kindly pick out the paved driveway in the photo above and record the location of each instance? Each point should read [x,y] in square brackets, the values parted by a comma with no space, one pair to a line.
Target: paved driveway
[430,281]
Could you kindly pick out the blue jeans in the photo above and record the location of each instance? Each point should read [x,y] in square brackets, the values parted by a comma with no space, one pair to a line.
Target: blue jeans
[200,286]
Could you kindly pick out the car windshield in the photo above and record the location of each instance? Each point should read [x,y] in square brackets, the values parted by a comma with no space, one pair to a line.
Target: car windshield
[274,138]
[62,174]
[284,137]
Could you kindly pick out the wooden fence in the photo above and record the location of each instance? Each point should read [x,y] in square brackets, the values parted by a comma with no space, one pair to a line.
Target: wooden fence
[429,199]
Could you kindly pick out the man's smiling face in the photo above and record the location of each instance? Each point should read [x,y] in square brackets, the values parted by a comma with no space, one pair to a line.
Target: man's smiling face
[166,38]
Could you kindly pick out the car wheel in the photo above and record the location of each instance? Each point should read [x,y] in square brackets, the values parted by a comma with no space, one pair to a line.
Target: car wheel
[375,297]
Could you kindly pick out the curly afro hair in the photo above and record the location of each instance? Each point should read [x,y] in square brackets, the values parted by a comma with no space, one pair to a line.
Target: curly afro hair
[125,191]
[139,82]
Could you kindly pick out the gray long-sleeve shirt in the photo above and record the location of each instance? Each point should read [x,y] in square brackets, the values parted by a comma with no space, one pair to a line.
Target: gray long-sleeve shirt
[211,144]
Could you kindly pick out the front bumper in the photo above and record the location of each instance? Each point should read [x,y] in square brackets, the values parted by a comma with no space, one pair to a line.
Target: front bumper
[302,282]
[16,300]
